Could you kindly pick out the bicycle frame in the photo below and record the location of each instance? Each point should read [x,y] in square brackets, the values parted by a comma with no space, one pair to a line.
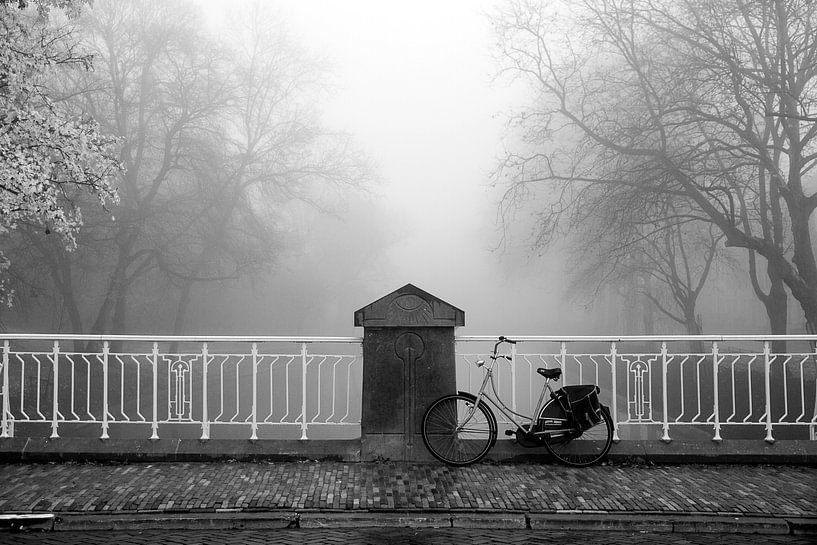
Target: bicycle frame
[497,402]
[459,429]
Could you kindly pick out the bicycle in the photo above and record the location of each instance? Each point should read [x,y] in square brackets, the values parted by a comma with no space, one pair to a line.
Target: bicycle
[459,429]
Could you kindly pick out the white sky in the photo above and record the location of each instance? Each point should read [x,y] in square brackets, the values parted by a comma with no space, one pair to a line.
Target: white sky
[416,90]
[414,87]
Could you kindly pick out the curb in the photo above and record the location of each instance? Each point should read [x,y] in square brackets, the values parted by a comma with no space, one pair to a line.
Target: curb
[176,521]
[669,523]
[86,449]
[803,525]
[651,522]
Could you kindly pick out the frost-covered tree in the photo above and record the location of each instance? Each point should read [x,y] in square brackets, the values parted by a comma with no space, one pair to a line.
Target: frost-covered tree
[47,155]
[221,141]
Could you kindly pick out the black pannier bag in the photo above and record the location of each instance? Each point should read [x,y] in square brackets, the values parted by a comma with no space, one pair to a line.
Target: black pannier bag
[584,404]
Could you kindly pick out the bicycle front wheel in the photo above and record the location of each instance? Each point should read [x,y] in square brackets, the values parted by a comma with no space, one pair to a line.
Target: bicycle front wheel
[457,431]
[571,447]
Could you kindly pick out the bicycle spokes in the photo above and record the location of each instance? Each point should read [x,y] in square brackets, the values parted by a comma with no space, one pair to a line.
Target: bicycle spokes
[458,431]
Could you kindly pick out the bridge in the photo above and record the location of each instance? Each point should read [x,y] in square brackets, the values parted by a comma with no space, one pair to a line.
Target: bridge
[217,409]
[301,390]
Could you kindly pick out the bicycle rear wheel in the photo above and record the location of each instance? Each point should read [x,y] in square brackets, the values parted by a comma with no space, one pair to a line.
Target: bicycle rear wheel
[458,432]
[572,447]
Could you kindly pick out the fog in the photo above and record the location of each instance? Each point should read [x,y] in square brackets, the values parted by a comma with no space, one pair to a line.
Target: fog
[417,88]
[417,85]
[414,85]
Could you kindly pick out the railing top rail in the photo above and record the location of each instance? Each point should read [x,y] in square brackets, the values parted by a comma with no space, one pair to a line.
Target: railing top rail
[637,338]
[358,340]
[181,338]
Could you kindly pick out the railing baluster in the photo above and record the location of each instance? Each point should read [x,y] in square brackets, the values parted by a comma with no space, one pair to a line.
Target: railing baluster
[205,425]
[767,377]
[716,412]
[613,358]
[254,435]
[39,386]
[6,432]
[513,378]
[563,358]
[125,417]
[664,369]
[72,402]
[55,411]
[303,390]
[813,423]
[155,364]
[105,348]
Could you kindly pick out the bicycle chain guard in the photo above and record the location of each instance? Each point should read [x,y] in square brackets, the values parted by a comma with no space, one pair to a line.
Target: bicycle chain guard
[527,440]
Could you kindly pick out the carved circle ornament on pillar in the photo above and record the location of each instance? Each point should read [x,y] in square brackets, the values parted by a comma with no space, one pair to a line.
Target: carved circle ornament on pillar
[409,309]
[409,347]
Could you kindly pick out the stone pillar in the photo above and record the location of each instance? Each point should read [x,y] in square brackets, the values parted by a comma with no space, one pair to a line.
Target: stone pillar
[408,362]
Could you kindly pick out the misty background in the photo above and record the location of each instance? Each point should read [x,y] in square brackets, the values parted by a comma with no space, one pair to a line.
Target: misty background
[408,114]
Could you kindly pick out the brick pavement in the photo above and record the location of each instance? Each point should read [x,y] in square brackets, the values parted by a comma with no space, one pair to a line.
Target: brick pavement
[362,487]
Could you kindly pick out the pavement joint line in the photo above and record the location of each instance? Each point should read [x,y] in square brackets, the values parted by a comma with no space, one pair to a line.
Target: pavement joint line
[655,522]
[261,511]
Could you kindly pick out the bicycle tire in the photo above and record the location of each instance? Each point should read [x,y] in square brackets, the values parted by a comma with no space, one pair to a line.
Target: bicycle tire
[444,436]
[574,448]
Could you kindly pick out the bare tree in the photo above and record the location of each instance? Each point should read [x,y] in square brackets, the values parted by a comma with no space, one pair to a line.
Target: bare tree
[667,262]
[711,103]
[264,149]
[215,137]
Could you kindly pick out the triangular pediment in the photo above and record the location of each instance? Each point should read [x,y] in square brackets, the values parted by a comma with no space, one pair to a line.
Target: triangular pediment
[409,306]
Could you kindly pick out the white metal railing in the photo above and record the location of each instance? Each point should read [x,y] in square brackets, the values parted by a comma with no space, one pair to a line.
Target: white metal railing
[308,387]
[243,385]
[656,383]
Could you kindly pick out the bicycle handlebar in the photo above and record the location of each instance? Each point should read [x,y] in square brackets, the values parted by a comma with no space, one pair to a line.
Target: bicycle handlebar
[504,339]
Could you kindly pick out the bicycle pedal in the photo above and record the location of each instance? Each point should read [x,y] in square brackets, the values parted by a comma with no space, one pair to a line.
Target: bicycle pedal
[510,432]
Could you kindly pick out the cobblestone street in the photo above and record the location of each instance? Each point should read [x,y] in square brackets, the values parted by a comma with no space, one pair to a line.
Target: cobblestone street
[212,487]
[407,503]
[397,536]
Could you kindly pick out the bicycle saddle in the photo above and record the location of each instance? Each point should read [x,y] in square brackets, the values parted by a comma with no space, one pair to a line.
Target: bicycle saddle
[550,373]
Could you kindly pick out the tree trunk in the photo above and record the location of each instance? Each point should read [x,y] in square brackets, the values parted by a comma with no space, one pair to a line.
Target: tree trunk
[777,309]
[118,318]
[693,327]
[648,314]
[692,322]
[801,290]
[647,308]
[181,312]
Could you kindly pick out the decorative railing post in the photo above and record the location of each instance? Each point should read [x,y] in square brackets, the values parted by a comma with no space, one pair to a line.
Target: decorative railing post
[813,423]
[563,358]
[513,378]
[664,369]
[613,358]
[155,360]
[303,390]
[6,430]
[716,412]
[205,424]
[254,435]
[767,367]
[55,410]
[105,348]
